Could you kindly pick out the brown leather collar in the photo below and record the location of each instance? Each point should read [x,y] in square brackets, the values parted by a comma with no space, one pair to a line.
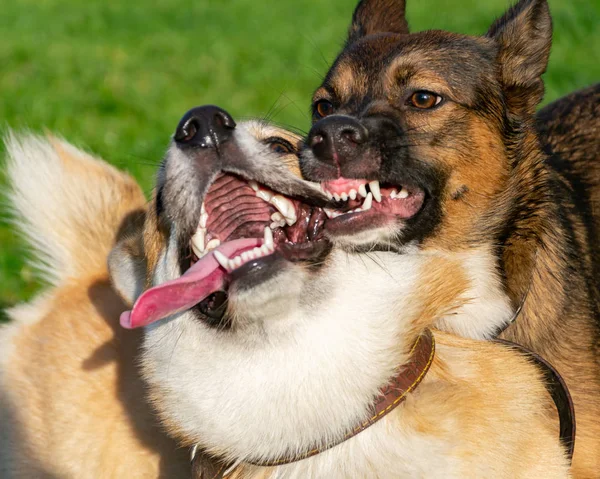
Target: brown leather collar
[393,394]
[559,392]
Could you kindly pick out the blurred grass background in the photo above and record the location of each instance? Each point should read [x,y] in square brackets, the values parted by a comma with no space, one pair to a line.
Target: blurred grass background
[115,77]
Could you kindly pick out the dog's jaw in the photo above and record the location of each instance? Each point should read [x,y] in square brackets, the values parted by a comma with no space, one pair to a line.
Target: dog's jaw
[273,387]
[290,379]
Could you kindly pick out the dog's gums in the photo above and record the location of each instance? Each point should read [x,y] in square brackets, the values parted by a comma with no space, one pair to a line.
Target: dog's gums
[241,223]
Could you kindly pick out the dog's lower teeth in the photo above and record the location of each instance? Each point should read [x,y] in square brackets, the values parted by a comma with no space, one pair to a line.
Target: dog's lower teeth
[368,202]
[212,244]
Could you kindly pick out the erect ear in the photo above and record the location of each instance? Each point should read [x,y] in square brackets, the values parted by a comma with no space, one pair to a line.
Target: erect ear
[524,35]
[127,261]
[378,16]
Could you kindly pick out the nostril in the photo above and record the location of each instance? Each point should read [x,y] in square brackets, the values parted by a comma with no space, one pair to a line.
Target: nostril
[316,140]
[354,135]
[188,131]
[223,120]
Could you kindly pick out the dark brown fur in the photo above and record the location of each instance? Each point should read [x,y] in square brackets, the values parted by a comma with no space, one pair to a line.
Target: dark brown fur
[494,180]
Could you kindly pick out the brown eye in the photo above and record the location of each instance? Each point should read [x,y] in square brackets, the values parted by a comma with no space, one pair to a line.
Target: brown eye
[424,100]
[323,108]
[280,146]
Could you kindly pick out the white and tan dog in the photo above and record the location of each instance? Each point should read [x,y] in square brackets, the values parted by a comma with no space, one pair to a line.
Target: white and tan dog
[263,343]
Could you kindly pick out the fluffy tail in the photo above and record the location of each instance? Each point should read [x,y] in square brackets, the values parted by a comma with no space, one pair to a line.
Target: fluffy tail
[68,205]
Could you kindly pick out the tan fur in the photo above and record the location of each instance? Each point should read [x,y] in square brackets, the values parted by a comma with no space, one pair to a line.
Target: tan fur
[71,400]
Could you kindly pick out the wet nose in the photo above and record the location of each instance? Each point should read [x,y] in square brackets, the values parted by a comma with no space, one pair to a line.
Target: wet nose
[337,138]
[204,127]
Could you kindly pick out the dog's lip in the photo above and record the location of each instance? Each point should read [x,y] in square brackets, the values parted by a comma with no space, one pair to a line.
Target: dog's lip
[182,293]
[367,204]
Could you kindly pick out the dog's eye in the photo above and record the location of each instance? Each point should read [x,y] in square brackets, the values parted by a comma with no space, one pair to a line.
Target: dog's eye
[323,108]
[280,146]
[424,100]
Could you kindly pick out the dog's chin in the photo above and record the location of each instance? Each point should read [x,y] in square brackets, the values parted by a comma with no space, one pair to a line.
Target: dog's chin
[265,291]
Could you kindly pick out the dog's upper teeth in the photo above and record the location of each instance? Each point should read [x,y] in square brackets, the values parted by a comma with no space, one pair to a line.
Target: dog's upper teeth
[344,196]
[203,220]
[198,242]
[285,207]
[374,187]
[352,194]
[368,202]
[403,193]
[202,209]
[264,195]
[254,185]
[362,191]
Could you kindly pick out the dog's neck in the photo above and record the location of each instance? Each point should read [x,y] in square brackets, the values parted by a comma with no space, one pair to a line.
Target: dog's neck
[395,392]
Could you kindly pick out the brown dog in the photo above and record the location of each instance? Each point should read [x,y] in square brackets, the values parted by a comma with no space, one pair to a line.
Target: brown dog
[437,131]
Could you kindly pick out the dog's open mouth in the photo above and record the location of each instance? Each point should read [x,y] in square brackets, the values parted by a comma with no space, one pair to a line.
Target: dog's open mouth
[241,224]
[369,204]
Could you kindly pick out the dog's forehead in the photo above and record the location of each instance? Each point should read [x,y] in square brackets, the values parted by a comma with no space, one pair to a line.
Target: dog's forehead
[438,61]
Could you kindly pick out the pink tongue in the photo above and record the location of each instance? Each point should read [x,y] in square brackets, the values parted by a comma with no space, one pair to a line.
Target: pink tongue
[201,280]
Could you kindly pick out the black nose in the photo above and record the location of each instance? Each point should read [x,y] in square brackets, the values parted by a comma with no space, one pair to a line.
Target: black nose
[204,127]
[337,138]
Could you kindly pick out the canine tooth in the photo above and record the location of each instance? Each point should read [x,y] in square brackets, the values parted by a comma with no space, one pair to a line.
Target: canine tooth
[212,244]
[253,185]
[362,191]
[268,236]
[202,209]
[403,193]
[264,195]
[368,202]
[203,220]
[393,194]
[282,204]
[374,187]
[344,197]
[352,194]
[222,260]
[198,239]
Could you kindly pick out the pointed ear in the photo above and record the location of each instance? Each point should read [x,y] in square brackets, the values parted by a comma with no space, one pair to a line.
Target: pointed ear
[524,36]
[127,261]
[378,16]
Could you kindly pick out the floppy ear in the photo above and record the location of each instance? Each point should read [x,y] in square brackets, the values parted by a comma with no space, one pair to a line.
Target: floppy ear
[127,261]
[524,35]
[378,16]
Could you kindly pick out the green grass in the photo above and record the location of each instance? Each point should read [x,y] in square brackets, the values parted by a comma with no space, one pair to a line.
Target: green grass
[115,77]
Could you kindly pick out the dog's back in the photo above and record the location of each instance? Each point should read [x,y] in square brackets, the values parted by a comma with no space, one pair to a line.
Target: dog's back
[71,401]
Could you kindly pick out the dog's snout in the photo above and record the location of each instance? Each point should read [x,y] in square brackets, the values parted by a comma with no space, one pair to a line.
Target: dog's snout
[337,138]
[204,127]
